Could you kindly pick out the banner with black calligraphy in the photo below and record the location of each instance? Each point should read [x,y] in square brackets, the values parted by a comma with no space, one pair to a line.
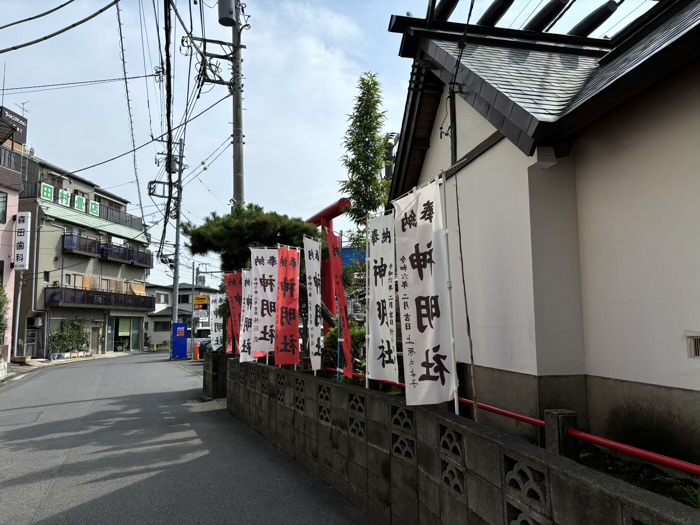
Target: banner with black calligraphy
[312,256]
[287,320]
[234,293]
[264,270]
[421,257]
[381,323]
[337,269]
[246,337]
[216,320]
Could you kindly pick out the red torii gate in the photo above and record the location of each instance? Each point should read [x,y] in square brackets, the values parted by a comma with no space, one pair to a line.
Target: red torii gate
[324,219]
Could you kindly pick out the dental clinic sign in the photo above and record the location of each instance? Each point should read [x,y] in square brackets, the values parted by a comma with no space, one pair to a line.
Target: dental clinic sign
[80,203]
[23,230]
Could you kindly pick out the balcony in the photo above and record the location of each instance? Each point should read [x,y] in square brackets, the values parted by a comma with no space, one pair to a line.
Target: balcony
[7,159]
[127,254]
[67,296]
[74,243]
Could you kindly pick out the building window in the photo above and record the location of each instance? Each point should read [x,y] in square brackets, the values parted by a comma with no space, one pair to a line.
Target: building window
[3,207]
[162,298]
[47,276]
[161,326]
[145,325]
[183,299]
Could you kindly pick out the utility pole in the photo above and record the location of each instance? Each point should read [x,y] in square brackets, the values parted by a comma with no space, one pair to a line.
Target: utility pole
[17,314]
[237,96]
[176,269]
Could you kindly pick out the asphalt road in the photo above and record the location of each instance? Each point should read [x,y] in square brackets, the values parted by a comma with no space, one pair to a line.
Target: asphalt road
[127,440]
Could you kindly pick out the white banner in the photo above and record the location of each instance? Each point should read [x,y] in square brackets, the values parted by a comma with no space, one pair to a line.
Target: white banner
[245,337]
[264,274]
[312,256]
[382,362]
[421,257]
[217,321]
[23,230]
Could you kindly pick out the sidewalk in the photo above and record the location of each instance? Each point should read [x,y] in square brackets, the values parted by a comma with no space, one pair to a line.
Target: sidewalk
[15,369]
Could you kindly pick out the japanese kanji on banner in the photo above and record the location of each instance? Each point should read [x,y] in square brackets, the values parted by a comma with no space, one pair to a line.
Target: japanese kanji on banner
[229,339]
[337,269]
[421,257]
[216,320]
[246,337]
[312,252]
[287,324]
[381,323]
[232,282]
[264,270]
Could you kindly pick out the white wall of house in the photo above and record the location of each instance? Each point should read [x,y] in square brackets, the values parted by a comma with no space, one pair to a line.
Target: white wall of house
[472,129]
[638,182]
[495,224]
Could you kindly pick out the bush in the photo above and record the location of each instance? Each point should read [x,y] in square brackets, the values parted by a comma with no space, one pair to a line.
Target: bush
[4,303]
[74,336]
[358,333]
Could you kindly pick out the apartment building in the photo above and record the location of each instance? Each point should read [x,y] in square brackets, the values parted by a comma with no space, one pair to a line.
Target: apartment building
[88,260]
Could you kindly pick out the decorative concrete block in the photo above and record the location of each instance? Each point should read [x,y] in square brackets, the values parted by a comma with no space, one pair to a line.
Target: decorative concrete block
[527,481]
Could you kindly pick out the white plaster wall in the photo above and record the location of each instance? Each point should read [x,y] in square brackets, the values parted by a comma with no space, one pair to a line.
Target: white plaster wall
[7,244]
[472,129]
[495,224]
[638,184]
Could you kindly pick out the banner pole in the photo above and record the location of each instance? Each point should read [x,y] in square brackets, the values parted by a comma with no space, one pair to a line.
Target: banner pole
[368,335]
[455,382]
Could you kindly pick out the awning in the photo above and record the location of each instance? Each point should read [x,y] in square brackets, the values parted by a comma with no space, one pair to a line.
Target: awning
[138,288]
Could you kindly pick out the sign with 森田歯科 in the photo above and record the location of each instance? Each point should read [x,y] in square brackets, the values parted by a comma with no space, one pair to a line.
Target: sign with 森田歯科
[422,272]
[312,256]
[23,233]
[381,321]
[264,273]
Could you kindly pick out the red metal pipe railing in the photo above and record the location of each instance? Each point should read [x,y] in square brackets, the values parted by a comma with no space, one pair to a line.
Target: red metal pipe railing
[652,457]
[464,401]
[646,455]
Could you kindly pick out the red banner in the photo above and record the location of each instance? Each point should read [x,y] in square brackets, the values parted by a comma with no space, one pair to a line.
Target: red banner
[337,269]
[287,315]
[229,339]
[234,292]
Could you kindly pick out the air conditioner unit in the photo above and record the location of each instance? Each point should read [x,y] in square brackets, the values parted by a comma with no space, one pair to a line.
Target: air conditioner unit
[56,283]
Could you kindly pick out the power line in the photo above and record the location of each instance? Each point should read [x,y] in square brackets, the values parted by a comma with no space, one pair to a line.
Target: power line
[56,33]
[146,143]
[143,55]
[532,13]
[563,12]
[168,116]
[36,16]
[128,107]
[79,83]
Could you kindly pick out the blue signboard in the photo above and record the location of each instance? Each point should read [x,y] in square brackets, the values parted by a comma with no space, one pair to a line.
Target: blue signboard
[179,350]
[351,256]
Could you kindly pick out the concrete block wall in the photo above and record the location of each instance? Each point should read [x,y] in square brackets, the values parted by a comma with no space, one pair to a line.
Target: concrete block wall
[414,465]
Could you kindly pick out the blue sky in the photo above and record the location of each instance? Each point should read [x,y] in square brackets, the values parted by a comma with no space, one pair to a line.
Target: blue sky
[301,65]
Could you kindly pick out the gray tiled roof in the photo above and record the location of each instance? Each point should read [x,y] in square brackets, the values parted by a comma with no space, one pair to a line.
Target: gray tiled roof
[541,82]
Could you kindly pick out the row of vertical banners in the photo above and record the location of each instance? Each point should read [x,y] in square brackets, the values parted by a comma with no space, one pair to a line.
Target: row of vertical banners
[264,304]
[407,291]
